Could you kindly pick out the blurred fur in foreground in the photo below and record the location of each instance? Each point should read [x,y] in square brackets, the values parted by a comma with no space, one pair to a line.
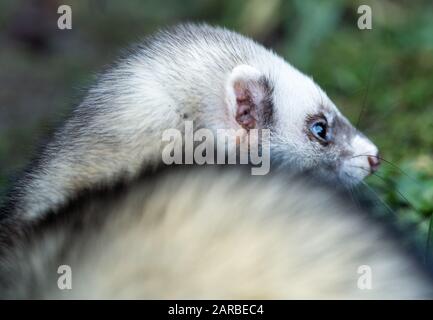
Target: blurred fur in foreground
[208,233]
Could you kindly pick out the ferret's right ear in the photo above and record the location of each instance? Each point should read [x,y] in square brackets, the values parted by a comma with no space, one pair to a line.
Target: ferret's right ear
[247,96]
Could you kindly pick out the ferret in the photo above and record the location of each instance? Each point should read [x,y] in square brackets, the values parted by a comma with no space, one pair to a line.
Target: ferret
[167,236]
[209,75]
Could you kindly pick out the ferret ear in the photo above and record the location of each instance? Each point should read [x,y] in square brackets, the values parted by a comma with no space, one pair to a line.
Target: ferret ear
[248,97]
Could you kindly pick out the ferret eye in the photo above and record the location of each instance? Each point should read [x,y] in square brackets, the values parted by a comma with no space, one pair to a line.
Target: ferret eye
[320,130]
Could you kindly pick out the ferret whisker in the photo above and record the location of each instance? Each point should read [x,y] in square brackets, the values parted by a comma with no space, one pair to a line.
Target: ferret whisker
[353,196]
[380,119]
[364,103]
[430,229]
[387,181]
[371,190]
[378,198]
[387,162]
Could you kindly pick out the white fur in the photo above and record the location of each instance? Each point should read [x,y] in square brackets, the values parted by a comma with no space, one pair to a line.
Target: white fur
[177,74]
[357,168]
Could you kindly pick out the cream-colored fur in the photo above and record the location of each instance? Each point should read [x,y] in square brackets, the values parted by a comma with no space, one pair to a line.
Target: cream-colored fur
[218,235]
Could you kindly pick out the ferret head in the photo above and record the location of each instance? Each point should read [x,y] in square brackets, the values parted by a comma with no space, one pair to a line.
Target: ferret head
[308,132]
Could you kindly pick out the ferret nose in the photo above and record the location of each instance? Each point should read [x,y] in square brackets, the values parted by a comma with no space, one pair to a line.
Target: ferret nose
[374,162]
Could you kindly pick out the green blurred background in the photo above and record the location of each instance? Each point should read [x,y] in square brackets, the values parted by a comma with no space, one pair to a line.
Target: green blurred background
[387,72]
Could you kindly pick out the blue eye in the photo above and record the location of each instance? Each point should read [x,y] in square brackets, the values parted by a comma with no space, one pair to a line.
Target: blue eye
[320,130]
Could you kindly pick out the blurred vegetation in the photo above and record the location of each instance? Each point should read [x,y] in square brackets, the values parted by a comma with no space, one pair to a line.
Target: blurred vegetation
[381,78]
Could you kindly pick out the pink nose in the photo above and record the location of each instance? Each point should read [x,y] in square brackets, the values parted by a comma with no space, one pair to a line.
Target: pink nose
[374,162]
